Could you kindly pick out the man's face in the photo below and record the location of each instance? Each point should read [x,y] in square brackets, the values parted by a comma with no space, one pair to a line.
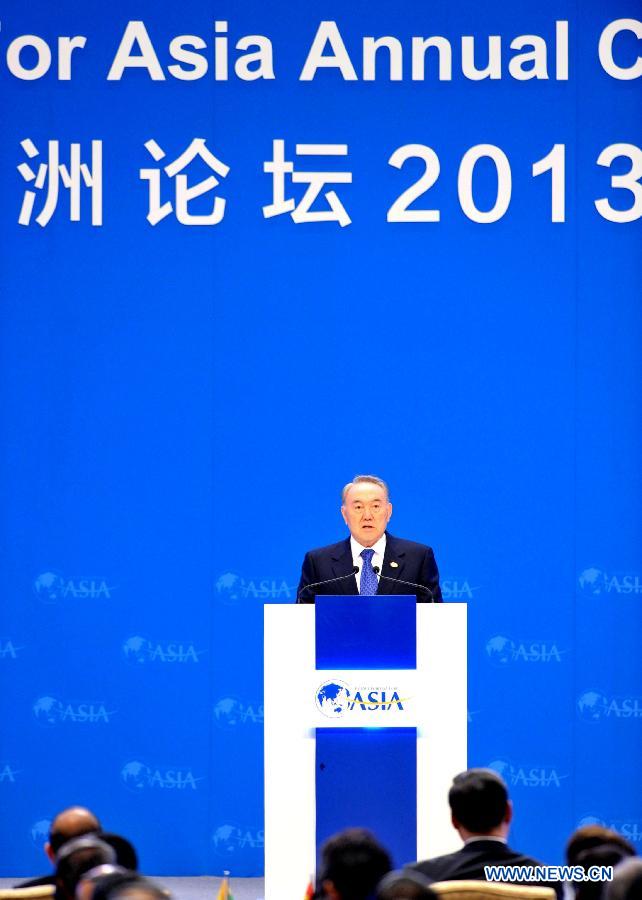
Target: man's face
[366,511]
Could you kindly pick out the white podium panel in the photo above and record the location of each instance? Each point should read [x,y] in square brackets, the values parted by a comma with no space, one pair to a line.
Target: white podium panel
[432,698]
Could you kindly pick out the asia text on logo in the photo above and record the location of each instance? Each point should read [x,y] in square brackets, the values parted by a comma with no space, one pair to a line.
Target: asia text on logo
[9,649]
[231,588]
[7,773]
[528,775]
[596,706]
[230,841]
[139,776]
[53,587]
[231,713]
[457,588]
[630,827]
[140,650]
[52,711]
[596,582]
[335,698]
[502,650]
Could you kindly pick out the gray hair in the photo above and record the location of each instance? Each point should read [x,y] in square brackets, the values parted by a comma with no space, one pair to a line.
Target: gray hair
[367,479]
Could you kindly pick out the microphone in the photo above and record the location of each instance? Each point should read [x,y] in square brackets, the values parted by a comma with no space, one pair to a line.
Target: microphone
[317,584]
[421,587]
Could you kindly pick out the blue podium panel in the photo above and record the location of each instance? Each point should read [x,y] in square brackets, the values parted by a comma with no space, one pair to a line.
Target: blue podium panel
[361,632]
[368,778]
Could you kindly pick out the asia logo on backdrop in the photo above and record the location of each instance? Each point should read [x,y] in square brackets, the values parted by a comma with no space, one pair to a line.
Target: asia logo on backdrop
[457,588]
[141,650]
[232,589]
[595,706]
[40,831]
[528,775]
[502,651]
[139,777]
[596,582]
[52,711]
[7,773]
[52,587]
[335,698]
[630,827]
[9,649]
[231,713]
[232,841]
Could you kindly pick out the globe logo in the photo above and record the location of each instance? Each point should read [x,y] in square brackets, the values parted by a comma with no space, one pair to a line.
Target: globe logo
[49,586]
[503,768]
[332,698]
[230,588]
[229,840]
[226,839]
[135,775]
[47,710]
[500,650]
[592,706]
[591,820]
[592,581]
[40,831]
[135,649]
[228,712]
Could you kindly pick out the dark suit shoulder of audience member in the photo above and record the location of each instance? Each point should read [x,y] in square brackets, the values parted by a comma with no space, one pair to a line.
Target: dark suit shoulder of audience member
[469,862]
[481,813]
[610,853]
[627,881]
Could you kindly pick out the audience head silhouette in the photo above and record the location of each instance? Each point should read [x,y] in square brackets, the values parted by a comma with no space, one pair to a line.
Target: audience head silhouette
[70,823]
[76,858]
[353,862]
[405,885]
[479,804]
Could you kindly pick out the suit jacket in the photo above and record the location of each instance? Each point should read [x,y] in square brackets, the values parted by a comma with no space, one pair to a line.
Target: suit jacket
[412,562]
[469,862]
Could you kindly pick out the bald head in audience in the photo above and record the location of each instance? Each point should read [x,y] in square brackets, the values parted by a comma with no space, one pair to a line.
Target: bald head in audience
[70,823]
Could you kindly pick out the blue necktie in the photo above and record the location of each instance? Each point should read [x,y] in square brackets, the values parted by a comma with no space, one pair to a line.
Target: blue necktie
[369,583]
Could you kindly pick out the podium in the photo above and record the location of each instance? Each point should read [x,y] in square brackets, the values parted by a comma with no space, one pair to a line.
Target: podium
[365,713]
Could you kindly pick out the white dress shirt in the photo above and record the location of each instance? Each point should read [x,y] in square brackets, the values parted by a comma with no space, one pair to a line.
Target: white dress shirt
[377,559]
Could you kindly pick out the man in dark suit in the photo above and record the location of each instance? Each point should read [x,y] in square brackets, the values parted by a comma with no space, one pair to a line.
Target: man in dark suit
[70,823]
[481,813]
[370,561]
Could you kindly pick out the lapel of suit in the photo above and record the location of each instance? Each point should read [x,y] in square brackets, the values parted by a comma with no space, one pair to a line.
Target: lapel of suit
[342,565]
[394,560]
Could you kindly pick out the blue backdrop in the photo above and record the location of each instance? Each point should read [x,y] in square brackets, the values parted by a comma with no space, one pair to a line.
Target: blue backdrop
[181,403]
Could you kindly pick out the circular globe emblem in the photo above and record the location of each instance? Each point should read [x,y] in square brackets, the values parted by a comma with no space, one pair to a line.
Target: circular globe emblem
[230,588]
[49,586]
[228,712]
[332,698]
[591,820]
[136,649]
[592,706]
[136,775]
[500,650]
[226,839]
[502,767]
[47,710]
[40,831]
[592,581]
